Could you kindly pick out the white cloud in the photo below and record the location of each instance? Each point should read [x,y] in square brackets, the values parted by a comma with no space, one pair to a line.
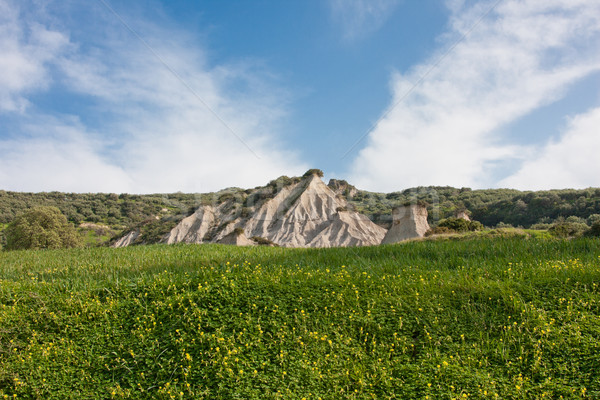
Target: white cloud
[58,156]
[570,162]
[361,17]
[522,55]
[26,49]
[167,124]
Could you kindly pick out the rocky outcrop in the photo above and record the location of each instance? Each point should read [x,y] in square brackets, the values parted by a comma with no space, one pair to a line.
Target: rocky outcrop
[342,188]
[349,229]
[194,228]
[303,213]
[409,222]
[462,215]
[127,240]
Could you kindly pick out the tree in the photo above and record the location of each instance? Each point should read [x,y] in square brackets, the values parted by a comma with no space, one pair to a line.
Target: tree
[41,228]
[460,225]
[594,231]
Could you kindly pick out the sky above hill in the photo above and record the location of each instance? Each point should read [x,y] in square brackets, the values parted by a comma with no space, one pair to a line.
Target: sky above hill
[195,96]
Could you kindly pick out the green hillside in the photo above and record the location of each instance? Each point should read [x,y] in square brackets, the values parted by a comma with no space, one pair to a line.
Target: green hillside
[105,216]
[486,318]
[491,206]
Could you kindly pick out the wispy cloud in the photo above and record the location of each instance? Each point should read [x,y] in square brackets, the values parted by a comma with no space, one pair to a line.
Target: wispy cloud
[27,48]
[358,18]
[570,162]
[158,131]
[521,56]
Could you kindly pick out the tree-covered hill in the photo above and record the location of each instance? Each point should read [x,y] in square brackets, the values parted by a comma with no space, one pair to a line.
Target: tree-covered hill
[490,206]
[116,213]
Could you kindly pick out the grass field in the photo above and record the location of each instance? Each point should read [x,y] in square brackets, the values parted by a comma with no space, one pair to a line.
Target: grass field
[484,318]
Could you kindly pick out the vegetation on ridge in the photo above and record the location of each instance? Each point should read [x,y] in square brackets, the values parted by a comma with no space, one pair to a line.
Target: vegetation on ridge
[570,210]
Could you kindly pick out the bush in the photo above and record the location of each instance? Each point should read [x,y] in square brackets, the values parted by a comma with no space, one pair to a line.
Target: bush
[41,228]
[439,230]
[594,231]
[593,219]
[540,226]
[263,241]
[568,229]
[460,225]
[313,171]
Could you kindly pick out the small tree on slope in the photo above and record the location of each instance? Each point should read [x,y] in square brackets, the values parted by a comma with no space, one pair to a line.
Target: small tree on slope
[41,228]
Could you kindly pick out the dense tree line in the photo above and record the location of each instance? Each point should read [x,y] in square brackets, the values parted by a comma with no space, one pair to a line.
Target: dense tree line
[563,210]
[490,207]
[117,211]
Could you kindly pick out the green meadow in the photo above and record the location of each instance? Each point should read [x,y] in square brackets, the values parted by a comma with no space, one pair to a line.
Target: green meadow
[483,318]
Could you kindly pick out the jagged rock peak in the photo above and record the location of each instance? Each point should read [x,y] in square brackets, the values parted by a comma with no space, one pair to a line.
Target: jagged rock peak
[299,213]
[343,188]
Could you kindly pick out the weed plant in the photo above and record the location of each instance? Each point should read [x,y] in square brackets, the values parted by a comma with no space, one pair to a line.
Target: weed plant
[484,318]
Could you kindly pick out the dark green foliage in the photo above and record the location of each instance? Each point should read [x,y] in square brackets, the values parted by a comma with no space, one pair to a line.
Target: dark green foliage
[116,211]
[263,242]
[246,212]
[314,171]
[566,229]
[594,231]
[439,230]
[493,207]
[460,225]
[490,206]
[281,182]
[238,231]
[541,226]
[41,228]
[593,219]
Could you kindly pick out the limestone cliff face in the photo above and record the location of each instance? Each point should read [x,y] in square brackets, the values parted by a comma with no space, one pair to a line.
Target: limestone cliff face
[409,222]
[306,213]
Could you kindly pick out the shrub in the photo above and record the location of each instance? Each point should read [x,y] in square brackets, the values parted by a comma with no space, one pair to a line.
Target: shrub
[540,226]
[568,229]
[593,219]
[41,228]
[439,230]
[282,182]
[263,242]
[313,171]
[460,225]
[594,231]
[246,212]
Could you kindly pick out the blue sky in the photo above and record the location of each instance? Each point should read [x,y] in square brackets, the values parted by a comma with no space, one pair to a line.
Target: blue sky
[195,96]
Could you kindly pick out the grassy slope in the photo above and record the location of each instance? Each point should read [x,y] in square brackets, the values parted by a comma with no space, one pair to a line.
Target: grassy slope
[515,318]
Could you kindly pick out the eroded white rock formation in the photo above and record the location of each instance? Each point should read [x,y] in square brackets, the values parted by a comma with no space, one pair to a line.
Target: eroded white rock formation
[306,213]
[409,222]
